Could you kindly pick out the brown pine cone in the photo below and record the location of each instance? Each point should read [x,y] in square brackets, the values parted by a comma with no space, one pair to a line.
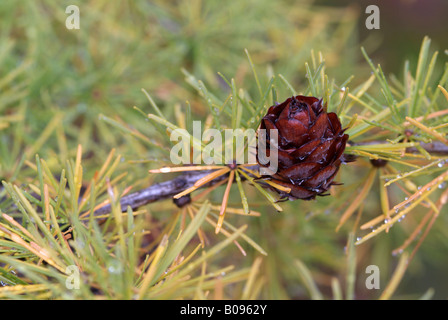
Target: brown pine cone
[310,146]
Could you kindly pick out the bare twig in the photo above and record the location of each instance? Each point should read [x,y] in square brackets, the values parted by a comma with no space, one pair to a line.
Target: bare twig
[161,191]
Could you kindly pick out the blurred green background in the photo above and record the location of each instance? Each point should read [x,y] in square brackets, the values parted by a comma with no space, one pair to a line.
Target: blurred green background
[58,85]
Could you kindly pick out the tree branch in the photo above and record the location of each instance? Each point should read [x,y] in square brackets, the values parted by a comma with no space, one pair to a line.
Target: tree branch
[436,148]
[168,189]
